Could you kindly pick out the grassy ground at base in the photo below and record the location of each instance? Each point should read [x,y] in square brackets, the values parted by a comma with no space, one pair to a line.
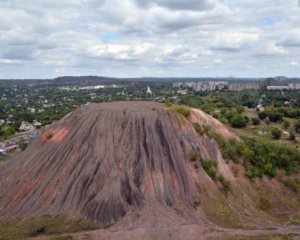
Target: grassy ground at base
[45,225]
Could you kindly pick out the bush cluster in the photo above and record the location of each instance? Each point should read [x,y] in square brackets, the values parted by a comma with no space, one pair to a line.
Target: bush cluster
[185,111]
[199,129]
[259,157]
[276,133]
[264,157]
[274,115]
[210,166]
[224,182]
[239,121]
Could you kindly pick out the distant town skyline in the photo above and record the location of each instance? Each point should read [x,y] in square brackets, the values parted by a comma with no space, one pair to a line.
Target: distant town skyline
[159,38]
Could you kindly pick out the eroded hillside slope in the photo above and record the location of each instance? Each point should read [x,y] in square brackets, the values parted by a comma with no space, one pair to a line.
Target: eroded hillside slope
[140,164]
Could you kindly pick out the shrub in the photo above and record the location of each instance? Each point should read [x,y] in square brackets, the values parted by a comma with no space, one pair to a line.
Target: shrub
[198,129]
[210,167]
[49,135]
[292,113]
[258,157]
[238,121]
[185,111]
[263,157]
[250,174]
[8,131]
[212,172]
[240,109]
[38,230]
[232,150]
[207,108]
[276,133]
[255,121]
[264,204]
[275,116]
[286,124]
[23,145]
[210,163]
[227,113]
[224,182]
[194,155]
[196,204]
[206,129]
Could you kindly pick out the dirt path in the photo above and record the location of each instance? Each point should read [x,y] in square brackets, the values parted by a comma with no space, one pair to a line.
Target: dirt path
[188,232]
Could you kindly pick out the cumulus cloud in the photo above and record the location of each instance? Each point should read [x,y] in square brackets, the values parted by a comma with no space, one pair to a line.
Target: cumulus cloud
[45,38]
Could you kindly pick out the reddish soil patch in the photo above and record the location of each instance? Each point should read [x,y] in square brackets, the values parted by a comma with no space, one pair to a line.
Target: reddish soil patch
[54,135]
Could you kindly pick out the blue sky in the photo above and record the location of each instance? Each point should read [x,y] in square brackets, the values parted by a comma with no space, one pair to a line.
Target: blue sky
[269,21]
[135,38]
[110,37]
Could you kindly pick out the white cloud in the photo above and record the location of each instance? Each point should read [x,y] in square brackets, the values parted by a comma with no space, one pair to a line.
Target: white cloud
[269,48]
[218,61]
[232,41]
[8,61]
[293,63]
[46,38]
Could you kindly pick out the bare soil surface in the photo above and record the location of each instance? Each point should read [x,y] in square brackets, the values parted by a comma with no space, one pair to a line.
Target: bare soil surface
[191,232]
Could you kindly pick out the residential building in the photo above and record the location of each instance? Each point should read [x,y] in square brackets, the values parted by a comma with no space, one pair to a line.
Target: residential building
[243,85]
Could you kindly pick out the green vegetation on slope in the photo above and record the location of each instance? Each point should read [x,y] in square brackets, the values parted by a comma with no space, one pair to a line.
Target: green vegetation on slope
[258,157]
[183,110]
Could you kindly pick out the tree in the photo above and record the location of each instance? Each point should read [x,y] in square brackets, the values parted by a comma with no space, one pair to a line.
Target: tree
[22,144]
[262,115]
[9,131]
[240,109]
[276,133]
[293,113]
[247,98]
[25,116]
[275,116]
[238,121]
